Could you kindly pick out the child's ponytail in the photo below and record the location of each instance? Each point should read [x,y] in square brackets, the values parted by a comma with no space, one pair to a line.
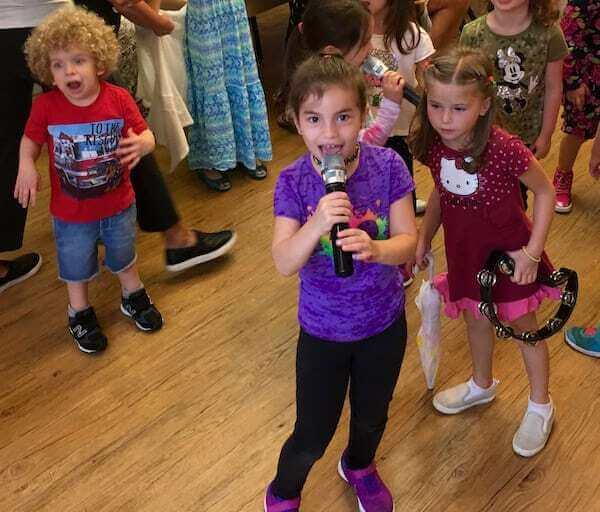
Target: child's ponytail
[342,24]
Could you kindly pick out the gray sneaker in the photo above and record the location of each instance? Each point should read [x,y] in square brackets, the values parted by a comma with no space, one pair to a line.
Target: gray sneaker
[532,434]
[461,397]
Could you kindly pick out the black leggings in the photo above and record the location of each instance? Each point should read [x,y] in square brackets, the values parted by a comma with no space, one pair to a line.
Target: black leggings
[323,371]
[399,145]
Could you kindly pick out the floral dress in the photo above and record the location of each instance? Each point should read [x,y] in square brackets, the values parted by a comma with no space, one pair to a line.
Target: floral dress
[581,26]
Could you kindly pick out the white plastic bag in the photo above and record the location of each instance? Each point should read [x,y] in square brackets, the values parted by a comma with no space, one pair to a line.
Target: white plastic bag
[429,303]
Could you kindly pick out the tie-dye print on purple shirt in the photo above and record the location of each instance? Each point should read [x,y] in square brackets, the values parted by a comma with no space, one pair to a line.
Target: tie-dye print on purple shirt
[366,303]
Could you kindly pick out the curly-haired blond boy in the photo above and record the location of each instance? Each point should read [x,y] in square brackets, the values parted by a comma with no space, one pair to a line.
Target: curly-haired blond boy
[95,135]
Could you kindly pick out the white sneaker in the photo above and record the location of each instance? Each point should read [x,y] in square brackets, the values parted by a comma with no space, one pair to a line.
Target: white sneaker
[459,398]
[533,433]
[421,206]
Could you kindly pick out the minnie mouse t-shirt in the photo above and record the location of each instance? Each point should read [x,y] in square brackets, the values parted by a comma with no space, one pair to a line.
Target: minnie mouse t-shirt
[483,212]
[368,302]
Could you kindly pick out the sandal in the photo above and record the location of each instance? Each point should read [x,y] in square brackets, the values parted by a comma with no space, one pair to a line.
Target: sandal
[259,173]
[220,184]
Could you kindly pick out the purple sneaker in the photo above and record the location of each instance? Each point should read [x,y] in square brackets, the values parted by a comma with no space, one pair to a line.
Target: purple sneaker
[275,504]
[371,492]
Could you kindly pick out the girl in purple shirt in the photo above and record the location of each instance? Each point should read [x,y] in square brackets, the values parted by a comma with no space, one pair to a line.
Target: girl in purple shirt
[352,329]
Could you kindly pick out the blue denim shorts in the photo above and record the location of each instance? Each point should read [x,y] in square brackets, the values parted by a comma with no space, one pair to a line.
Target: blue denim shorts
[77,245]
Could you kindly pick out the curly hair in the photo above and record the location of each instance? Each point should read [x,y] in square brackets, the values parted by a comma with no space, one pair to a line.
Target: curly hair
[66,28]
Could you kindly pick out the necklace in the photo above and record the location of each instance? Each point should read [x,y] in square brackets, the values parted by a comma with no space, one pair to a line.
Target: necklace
[347,161]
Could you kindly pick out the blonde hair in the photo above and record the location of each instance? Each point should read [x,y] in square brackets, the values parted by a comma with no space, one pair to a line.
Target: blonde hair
[458,66]
[66,28]
[545,11]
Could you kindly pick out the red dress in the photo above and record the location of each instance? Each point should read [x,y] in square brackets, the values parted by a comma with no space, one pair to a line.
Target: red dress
[480,213]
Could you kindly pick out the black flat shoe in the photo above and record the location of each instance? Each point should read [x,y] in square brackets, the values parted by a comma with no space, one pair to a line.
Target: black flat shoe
[208,246]
[260,173]
[220,184]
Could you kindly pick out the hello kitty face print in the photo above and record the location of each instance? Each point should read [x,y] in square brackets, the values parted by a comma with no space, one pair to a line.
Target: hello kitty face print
[455,180]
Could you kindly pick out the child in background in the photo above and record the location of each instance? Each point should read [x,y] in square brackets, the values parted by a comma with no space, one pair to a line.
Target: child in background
[476,169]
[527,46]
[581,99]
[344,27]
[352,329]
[404,47]
[95,135]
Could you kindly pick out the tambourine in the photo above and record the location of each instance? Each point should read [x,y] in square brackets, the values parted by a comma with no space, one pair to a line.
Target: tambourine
[559,278]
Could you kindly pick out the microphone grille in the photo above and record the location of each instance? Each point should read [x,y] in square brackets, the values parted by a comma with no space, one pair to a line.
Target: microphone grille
[333,162]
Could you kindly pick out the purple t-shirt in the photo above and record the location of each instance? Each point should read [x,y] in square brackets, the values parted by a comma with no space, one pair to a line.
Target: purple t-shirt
[366,303]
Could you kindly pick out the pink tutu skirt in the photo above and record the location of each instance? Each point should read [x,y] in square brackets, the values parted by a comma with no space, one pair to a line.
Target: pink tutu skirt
[507,311]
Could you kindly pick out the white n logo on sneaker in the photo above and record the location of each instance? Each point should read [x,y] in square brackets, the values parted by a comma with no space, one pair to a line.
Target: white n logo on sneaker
[79,331]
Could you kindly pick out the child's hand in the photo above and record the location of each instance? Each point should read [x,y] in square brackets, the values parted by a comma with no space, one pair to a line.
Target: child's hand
[27,185]
[421,252]
[541,147]
[525,268]
[332,209]
[359,243]
[393,86]
[133,147]
[578,96]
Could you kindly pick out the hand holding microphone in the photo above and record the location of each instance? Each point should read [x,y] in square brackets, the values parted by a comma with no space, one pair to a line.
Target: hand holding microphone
[374,67]
[333,171]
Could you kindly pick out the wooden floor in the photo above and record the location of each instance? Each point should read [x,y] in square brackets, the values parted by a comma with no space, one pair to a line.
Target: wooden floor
[193,417]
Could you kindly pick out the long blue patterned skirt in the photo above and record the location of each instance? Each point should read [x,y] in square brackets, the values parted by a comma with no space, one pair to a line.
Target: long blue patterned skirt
[225,96]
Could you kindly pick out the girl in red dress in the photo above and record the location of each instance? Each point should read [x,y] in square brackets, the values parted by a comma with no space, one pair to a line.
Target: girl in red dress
[477,168]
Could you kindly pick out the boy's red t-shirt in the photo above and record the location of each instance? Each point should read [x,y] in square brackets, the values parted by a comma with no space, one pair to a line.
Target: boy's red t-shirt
[88,182]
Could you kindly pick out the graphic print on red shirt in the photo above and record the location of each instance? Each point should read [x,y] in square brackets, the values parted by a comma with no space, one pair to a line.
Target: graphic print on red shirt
[88,182]
[85,157]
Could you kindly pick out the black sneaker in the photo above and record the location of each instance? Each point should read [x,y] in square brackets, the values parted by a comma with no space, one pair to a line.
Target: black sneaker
[139,307]
[208,247]
[86,331]
[20,269]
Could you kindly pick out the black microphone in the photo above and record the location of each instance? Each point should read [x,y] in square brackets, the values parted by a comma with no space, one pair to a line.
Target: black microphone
[374,67]
[333,171]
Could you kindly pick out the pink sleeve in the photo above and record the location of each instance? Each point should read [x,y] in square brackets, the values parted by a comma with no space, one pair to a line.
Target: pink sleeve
[378,132]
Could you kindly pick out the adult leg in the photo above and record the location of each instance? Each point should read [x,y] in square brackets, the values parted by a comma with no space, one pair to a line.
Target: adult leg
[156,212]
[16,86]
[322,373]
